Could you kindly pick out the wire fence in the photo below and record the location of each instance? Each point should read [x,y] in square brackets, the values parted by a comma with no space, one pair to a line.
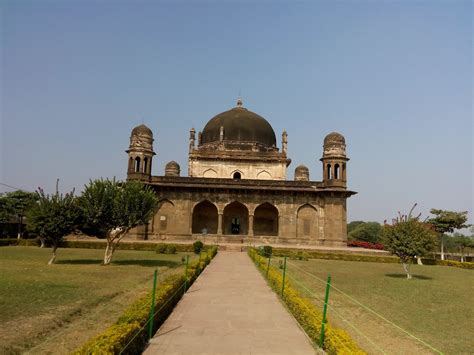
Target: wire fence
[350,313]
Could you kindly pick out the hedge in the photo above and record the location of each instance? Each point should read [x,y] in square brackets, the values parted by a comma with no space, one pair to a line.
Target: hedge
[306,253]
[462,265]
[336,341]
[129,334]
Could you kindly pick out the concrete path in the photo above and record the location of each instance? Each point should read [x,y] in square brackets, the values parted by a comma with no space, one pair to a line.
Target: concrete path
[230,310]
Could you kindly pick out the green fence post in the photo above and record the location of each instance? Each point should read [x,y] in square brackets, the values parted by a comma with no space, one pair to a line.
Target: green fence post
[186,274]
[268,266]
[323,323]
[152,309]
[284,275]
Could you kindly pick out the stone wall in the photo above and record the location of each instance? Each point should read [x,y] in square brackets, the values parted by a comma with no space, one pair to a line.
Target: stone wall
[317,218]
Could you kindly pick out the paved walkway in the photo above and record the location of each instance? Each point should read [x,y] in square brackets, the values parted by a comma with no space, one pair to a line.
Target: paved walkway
[230,310]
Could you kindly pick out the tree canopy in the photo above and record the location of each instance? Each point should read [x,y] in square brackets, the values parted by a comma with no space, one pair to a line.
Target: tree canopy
[111,208]
[53,217]
[447,222]
[407,237]
[16,205]
[366,232]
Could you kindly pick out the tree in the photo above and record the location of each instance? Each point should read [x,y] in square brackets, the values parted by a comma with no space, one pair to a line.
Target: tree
[407,237]
[110,209]
[447,222]
[462,242]
[352,225]
[16,204]
[366,232]
[53,217]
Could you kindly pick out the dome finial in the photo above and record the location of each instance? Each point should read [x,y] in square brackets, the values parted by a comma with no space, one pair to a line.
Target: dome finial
[239,102]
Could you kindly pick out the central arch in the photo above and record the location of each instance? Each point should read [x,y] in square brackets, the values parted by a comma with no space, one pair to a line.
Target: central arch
[204,218]
[236,219]
[265,220]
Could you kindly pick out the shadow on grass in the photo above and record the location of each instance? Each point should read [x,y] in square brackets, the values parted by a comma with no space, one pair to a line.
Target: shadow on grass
[79,261]
[148,262]
[404,276]
[139,262]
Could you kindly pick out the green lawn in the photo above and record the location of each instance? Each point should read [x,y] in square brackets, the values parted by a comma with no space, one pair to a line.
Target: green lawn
[56,308]
[437,306]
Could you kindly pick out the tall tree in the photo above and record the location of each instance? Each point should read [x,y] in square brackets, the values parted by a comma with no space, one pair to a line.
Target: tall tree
[407,237]
[18,202]
[366,232]
[53,217]
[447,222]
[110,209]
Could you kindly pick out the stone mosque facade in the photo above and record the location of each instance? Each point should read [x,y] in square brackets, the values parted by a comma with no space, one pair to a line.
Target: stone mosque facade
[236,188]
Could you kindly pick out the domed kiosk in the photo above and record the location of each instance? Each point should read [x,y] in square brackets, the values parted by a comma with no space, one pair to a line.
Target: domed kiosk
[236,189]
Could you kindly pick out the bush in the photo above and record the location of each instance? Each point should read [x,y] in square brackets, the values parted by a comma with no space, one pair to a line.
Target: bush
[366,245]
[197,246]
[161,248]
[293,253]
[171,249]
[299,255]
[336,341]
[454,263]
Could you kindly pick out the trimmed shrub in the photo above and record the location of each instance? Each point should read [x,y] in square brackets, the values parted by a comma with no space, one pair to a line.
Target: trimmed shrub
[312,254]
[267,251]
[129,334]
[171,249]
[454,263]
[197,246]
[7,242]
[336,341]
[366,245]
[161,248]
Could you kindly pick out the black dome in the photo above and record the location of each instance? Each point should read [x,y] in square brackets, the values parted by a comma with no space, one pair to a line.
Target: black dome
[241,125]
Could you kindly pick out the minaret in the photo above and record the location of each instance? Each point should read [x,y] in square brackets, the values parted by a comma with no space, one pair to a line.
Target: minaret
[284,142]
[192,139]
[334,160]
[140,152]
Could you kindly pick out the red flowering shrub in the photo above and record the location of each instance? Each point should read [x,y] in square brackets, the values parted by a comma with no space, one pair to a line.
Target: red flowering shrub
[366,245]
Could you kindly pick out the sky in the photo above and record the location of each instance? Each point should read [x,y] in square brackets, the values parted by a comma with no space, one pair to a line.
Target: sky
[394,77]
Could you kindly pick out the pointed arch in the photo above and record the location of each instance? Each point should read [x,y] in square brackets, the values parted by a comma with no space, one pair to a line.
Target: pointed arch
[235,218]
[265,220]
[205,217]
[137,165]
[336,172]
[307,222]
[264,175]
[164,216]
[209,173]
[237,174]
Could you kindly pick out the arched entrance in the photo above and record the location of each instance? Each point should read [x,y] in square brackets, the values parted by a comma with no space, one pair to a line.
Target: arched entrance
[205,218]
[164,217]
[307,222]
[236,219]
[265,220]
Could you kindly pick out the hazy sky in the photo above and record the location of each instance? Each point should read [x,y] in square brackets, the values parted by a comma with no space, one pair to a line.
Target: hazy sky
[394,77]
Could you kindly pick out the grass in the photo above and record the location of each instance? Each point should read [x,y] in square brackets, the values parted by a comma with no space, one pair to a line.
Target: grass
[54,309]
[436,306]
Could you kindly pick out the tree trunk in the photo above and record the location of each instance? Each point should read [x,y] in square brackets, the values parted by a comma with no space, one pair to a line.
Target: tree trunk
[113,239]
[418,261]
[42,242]
[406,267]
[109,251]
[442,247]
[53,257]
